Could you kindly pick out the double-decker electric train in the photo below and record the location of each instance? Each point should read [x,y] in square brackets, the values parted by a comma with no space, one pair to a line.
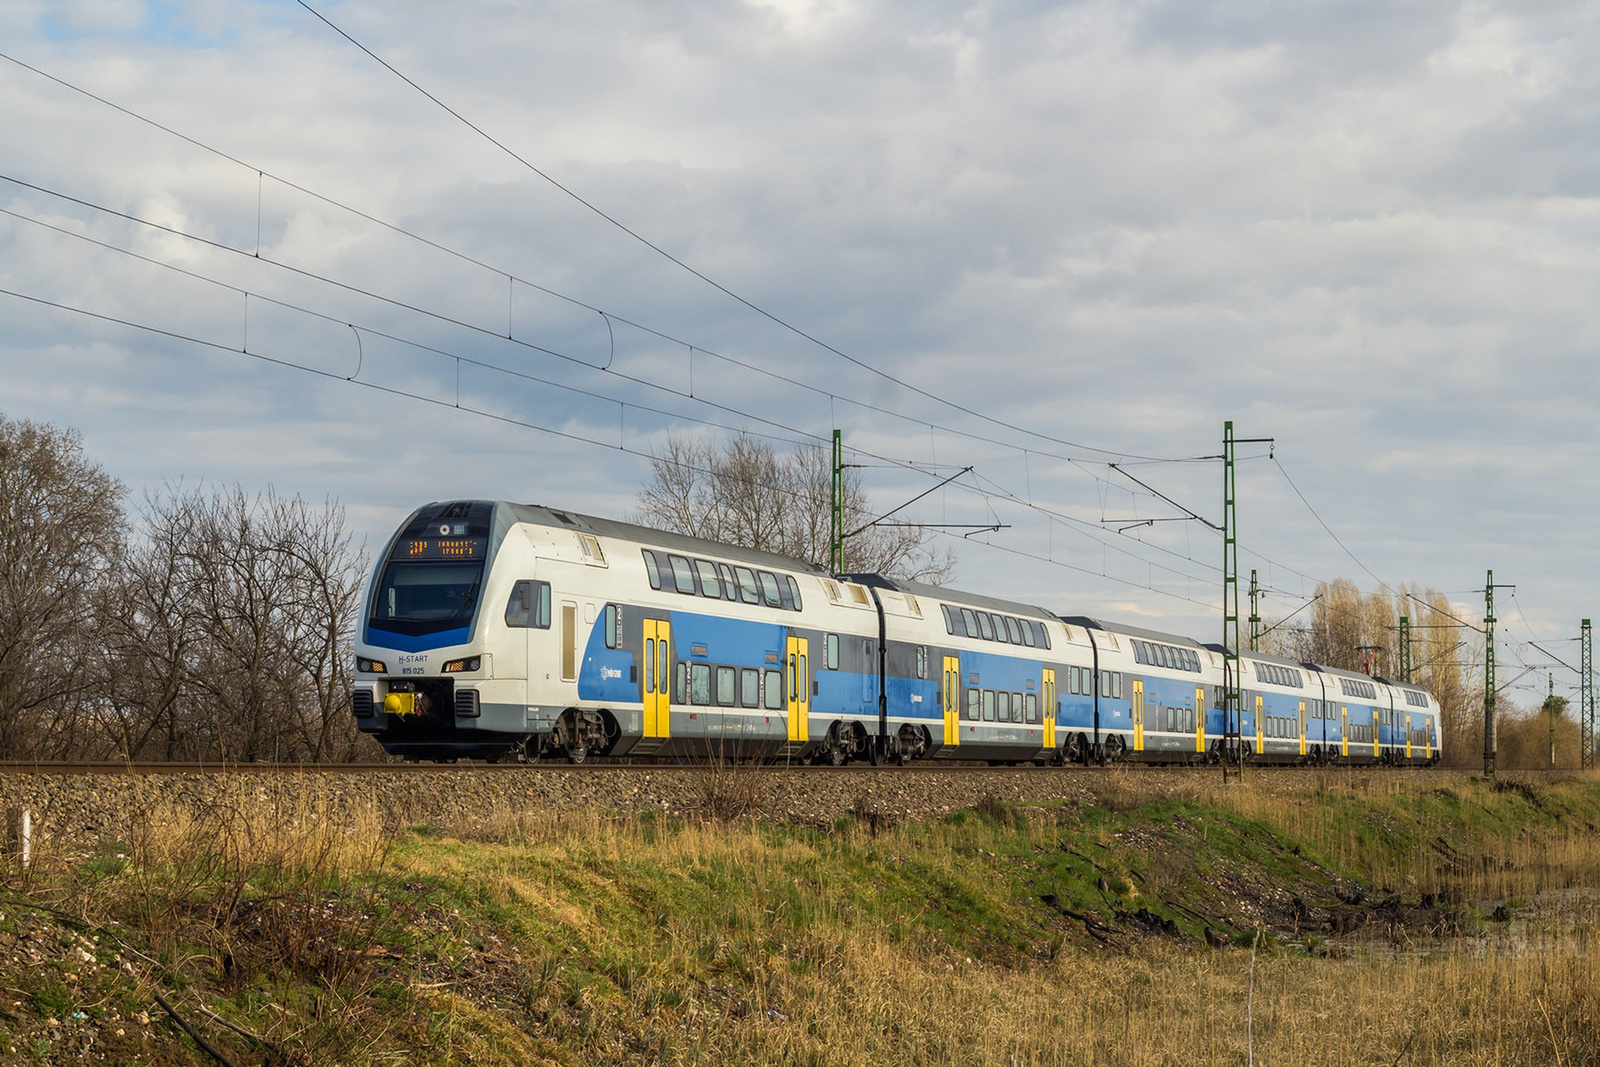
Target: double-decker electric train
[492,628]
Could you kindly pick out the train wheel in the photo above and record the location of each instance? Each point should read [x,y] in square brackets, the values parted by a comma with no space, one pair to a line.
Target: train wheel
[837,756]
[577,753]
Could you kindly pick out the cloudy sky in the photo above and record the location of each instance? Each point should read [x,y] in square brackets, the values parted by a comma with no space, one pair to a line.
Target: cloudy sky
[1066,235]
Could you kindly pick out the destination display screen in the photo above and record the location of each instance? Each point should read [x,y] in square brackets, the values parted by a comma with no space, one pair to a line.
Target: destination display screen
[441,548]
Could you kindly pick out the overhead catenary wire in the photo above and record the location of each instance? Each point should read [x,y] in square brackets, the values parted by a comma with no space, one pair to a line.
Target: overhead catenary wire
[479,412]
[750,304]
[495,367]
[1087,529]
[262,173]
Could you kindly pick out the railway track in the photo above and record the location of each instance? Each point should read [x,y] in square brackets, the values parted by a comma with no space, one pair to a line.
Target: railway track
[115,768]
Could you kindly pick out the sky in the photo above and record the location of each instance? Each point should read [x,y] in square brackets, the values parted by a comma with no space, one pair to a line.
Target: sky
[1030,239]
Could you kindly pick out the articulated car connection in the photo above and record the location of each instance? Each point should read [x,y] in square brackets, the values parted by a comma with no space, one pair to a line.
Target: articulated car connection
[494,629]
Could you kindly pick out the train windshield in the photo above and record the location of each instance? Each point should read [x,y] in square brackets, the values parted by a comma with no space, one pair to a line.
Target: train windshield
[428,592]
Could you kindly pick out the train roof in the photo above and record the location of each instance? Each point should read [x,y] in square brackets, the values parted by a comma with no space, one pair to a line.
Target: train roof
[542,515]
[1131,631]
[951,596]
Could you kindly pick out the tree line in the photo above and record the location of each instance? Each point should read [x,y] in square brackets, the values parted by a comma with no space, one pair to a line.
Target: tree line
[207,624]
[1359,631]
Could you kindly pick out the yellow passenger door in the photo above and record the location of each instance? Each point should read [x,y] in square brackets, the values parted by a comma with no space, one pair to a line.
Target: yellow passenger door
[1199,719]
[1138,714]
[657,678]
[799,690]
[1260,722]
[952,703]
[1048,710]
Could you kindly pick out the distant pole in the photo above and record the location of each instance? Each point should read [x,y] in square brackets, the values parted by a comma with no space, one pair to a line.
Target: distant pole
[1405,648]
[1586,700]
[836,537]
[1550,707]
[1490,741]
[1255,613]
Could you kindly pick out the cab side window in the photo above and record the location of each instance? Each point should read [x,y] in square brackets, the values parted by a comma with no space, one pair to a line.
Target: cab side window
[529,605]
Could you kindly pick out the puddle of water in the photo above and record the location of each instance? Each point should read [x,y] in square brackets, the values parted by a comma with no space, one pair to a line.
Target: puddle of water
[1553,922]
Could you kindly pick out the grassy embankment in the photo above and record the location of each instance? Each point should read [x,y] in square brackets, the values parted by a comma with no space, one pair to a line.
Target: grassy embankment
[999,935]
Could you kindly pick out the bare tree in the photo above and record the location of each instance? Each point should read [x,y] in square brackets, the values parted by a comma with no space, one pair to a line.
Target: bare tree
[235,635]
[744,492]
[1446,653]
[61,536]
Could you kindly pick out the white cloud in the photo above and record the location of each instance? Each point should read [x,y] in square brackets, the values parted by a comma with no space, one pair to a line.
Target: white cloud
[1368,231]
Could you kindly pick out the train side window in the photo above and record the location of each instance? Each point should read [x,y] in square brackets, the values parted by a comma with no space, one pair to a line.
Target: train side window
[999,627]
[1002,706]
[699,683]
[1032,703]
[725,679]
[652,568]
[748,591]
[730,589]
[772,689]
[611,621]
[1013,631]
[1027,633]
[949,619]
[974,699]
[922,662]
[988,705]
[969,622]
[985,627]
[831,654]
[680,683]
[750,687]
[1044,635]
[682,574]
[1116,685]
[1017,714]
[794,591]
[1138,653]
[710,581]
[785,598]
[769,589]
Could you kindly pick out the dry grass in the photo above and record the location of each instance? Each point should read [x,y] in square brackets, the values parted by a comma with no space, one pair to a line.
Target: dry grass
[593,938]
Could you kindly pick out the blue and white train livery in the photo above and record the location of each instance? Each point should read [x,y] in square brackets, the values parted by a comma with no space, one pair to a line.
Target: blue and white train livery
[493,628]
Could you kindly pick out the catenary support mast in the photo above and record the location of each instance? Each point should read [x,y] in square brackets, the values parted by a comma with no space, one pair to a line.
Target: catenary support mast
[1586,699]
[1232,681]
[836,528]
[1490,740]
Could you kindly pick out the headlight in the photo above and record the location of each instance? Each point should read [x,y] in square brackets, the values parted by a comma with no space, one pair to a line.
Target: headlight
[371,666]
[456,666]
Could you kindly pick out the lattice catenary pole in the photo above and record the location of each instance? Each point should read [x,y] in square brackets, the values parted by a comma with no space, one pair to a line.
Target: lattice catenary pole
[1586,700]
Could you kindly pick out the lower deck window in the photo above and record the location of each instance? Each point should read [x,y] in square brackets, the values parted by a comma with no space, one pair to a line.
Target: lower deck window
[773,686]
[699,683]
[988,705]
[750,688]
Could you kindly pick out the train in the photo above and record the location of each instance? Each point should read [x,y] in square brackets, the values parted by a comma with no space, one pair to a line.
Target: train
[494,630]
